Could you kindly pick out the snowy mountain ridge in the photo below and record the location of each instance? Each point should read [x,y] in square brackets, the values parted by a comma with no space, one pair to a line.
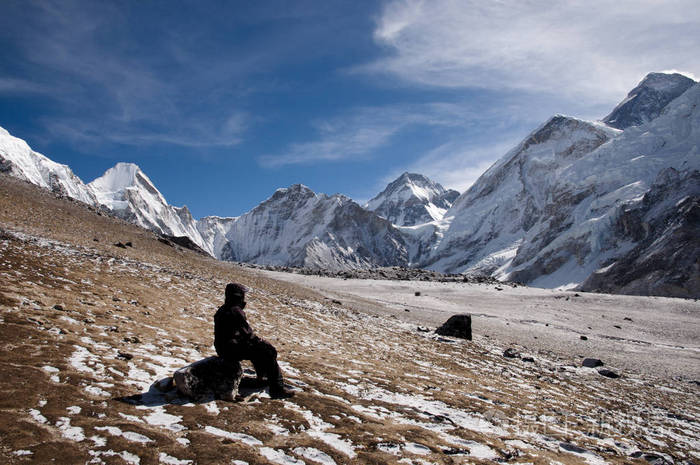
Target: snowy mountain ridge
[550,213]
[19,160]
[297,227]
[412,199]
[131,195]
[562,209]
[646,101]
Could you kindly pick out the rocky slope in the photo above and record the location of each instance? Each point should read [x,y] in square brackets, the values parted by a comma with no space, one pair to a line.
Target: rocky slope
[88,330]
[412,199]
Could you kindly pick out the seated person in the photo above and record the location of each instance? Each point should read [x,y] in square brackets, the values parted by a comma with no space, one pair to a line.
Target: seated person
[234,340]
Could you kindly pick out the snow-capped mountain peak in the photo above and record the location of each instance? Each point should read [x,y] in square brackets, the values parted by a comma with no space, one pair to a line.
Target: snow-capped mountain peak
[110,188]
[130,194]
[19,160]
[412,199]
[646,101]
[298,227]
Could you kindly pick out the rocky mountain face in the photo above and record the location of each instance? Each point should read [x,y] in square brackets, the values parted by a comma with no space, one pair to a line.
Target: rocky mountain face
[664,227]
[550,213]
[498,213]
[297,227]
[646,101]
[412,199]
[610,206]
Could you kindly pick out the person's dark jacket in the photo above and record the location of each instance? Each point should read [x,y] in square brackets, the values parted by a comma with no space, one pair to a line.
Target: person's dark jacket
[232,333]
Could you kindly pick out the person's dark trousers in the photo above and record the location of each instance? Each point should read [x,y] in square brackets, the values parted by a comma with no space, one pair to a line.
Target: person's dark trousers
[263,355]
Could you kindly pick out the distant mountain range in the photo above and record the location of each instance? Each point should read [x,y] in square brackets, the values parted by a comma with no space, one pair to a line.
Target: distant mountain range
[612,205]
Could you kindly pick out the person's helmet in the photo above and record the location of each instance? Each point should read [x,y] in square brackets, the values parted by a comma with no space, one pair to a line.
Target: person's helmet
[235,293]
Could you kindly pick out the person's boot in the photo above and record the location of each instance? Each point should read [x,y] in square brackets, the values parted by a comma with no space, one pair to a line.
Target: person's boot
[280,392]
[259,382]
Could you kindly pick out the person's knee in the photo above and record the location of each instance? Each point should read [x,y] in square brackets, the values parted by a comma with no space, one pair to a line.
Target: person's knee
[266,348]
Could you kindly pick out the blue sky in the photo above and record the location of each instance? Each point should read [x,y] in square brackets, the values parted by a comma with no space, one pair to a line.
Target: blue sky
[221,103]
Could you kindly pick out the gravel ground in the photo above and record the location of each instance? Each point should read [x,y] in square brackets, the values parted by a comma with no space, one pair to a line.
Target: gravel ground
[642,334]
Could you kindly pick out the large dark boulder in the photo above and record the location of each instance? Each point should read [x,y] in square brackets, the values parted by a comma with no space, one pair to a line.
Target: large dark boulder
[209,377]
[457,326]
[592,363]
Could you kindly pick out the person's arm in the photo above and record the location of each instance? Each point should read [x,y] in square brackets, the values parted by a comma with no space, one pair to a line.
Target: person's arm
[242,332]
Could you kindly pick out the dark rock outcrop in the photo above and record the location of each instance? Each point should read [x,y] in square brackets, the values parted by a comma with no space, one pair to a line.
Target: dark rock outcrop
[182,241]
[646,101]
[457,326]
[592,363]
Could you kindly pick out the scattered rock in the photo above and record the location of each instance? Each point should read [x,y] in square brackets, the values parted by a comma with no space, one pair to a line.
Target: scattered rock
[112,329]
[608,374]
[337,302]
[417,294]
[528,359]
[209,377]
[129,244]
[511,353]
[132,340]
[58,307]
[592,363]
[423,329]
[651,457]
[124,355]
[498,288]
[120,245]
[95,239]
[618,327]
[457,326]
[627,318]
[88,321]
[406,310]
[584,338]
[567,446]
[455,451]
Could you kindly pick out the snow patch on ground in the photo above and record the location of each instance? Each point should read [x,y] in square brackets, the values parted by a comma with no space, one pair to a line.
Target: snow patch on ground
[239,437]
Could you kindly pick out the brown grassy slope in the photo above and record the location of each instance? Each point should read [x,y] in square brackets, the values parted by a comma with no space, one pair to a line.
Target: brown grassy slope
[372,390]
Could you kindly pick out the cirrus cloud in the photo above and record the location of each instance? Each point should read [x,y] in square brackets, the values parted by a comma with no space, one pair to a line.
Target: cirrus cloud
[596,49]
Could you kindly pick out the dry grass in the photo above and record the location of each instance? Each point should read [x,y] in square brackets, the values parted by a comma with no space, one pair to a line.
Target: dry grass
[371,389]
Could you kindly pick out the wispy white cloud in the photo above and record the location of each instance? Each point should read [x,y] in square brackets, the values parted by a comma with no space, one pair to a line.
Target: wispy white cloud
[594,50]
[458,164]
[22,86]
[198,134]
[359,133]
[111,88]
